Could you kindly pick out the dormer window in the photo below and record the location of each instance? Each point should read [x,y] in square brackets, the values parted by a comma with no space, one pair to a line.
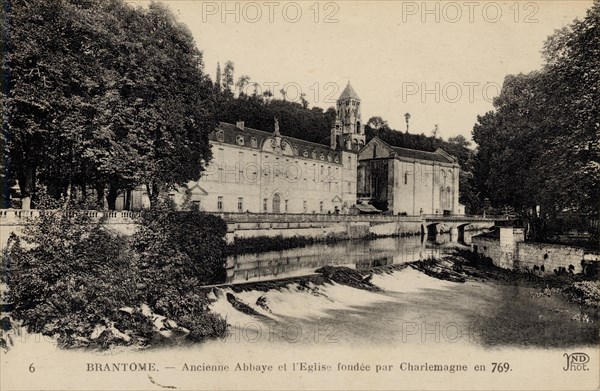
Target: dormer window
[328,157]
[253,142]
[220,135]
[305,153]
[296,151]
[314,154]
[322,157]
[239,140]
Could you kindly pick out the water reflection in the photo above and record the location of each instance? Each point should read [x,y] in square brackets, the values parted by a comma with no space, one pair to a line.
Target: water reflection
[359,254]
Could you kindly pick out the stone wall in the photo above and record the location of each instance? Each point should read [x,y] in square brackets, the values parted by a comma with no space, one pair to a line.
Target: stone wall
[549,256]
[542,257]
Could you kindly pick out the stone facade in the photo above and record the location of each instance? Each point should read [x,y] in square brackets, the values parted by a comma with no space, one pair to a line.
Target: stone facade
[402,180]
[261,172]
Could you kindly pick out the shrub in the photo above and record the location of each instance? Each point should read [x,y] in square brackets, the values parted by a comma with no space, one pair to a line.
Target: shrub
[585,292]
[67,273]
[178,252]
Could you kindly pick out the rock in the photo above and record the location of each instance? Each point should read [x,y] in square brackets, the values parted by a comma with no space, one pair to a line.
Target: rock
[346,276]
[240,305]
[262,303]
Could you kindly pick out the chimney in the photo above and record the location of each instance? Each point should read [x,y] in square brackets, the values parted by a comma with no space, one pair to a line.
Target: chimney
[239,125]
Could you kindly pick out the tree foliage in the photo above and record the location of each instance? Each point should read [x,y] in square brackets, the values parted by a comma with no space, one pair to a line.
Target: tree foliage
[539,147]
[102,95]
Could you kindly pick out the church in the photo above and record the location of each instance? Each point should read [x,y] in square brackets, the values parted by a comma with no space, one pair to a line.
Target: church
[408,181]
[254,171]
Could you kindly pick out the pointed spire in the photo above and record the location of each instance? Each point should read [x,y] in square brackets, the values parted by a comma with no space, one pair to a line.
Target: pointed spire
[349,93]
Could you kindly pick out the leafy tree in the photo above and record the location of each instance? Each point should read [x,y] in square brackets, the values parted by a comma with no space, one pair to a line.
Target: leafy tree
[241,84]
[539,149]
[115,100]
[227,76]
[377,123]
[218,78]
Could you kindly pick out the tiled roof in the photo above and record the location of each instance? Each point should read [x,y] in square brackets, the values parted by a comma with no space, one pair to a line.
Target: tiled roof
[349,93]
[231,133]
[423,155]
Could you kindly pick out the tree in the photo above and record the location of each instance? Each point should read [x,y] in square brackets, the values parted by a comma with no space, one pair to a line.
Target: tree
[241,84]
[303,100]
[228,76]
[539,149]
[377,123]
[218,78]
[116,100]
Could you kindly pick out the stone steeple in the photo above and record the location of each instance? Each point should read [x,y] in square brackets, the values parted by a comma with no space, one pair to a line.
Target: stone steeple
[348,132]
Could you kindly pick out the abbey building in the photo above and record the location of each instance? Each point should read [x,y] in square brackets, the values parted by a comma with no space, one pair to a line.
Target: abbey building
[254,171]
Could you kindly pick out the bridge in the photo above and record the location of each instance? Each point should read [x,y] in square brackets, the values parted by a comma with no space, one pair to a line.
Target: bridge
[455,224]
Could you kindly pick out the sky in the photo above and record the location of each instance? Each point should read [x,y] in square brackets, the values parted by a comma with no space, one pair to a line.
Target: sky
[442,62]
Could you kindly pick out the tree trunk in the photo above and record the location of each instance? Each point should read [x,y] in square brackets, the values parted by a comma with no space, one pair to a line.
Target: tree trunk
[155,191]
[113,192]
[27,186]
[100,197]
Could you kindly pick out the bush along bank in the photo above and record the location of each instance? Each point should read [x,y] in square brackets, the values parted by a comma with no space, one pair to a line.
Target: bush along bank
[70,278]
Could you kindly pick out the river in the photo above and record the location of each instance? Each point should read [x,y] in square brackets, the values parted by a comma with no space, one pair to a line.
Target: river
[357,253]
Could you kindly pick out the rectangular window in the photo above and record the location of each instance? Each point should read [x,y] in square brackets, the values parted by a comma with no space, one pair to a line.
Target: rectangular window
[240,204]
[196,205]
[286,206]
[321,207]
[220,203]
[265,201]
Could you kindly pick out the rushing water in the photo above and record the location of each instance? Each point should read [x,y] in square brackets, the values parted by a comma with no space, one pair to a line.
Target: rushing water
[359,254]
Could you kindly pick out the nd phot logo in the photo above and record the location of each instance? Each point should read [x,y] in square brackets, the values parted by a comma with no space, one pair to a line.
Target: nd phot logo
[576,362]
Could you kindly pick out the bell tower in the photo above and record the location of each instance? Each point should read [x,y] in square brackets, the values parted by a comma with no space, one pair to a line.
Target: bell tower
[348,132]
